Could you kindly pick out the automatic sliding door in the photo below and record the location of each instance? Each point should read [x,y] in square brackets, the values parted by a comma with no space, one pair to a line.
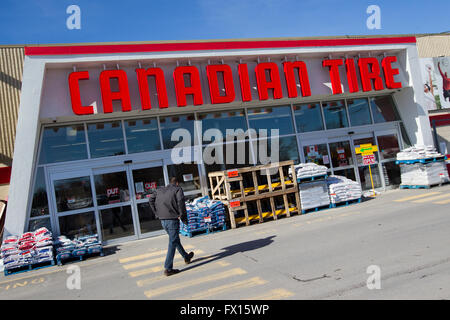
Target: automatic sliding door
[73,204]
[146,178]
[114,204]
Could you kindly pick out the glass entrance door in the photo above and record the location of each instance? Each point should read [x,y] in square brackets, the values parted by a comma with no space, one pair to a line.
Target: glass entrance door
[114,203]
[73,204]
[146,177]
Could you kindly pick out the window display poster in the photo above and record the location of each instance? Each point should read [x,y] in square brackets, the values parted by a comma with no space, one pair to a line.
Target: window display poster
[188,177]
[139,187]
[436,82]
[150,185]
[325,159]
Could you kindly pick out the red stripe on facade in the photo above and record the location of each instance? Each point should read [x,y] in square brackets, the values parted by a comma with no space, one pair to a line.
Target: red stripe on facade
[5,175]
[195,46]
[440,119]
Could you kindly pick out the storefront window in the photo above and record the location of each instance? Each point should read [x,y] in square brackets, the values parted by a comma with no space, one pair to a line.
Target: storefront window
[78,225]
[364,175]
[147,180]
[73,194]
[39,205]
[383,109]
[335,114]
[60,144]
[116,223]
[105,139]
[341,154]
[147,219]
[317,153]
[388,146]
[111,188]
[287,150]
[278,118]
[223,120]
[308,117]
[35,224]
[358,143]
[170,124]
[186,174]
[358,110]
[142,135]
[348,173]
[215,159]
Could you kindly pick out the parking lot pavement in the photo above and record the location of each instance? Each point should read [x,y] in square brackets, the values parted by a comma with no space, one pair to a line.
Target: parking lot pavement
[320,255]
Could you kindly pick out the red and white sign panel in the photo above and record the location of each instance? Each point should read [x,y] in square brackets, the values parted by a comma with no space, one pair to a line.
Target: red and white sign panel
[368,159]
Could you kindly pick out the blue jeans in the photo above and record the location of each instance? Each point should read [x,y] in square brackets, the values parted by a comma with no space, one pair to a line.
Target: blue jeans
[172,228]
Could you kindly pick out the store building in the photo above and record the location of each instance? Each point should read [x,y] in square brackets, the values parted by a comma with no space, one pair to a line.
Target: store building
[96,122]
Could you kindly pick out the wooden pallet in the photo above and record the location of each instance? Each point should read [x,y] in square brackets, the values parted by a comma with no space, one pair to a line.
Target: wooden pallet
[277,184]
[29,267]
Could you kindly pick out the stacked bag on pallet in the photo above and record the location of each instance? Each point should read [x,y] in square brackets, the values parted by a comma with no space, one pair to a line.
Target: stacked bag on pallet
[314,194]
[307,170]
[418,152]
[419,173]
[66,247]
[203,213]
[424,174]
[29,248]
[342,189]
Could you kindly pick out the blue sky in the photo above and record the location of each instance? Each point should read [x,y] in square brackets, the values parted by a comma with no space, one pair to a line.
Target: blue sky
[44,21]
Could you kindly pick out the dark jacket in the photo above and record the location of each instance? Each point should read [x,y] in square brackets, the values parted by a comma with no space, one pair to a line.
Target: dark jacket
[169,203]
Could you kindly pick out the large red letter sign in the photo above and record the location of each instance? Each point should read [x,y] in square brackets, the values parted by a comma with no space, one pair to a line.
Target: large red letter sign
[335,78]
[246,93]
[290,78]
[264,85]
[160,82]
[389,73]
[74,88]
[352,80]
[369,75]
[181,90]
[212,71]
[108,96]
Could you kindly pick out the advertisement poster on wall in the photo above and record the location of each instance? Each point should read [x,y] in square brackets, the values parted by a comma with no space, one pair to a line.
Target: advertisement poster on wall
[436,86]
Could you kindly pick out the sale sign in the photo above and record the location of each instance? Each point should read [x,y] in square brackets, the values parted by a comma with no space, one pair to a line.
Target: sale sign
[368,159]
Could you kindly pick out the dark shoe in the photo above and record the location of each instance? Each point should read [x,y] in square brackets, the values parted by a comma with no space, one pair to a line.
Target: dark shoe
[189,257]
[171,272]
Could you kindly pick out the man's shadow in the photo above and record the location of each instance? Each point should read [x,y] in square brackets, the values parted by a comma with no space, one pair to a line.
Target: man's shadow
[230,250]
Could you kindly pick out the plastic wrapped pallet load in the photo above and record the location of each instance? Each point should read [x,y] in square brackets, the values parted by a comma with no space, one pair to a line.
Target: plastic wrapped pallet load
[415,171]
[307,170]
[314,194]
[343,189]
[27,249]
[418,152]
[424,174]
[203,213]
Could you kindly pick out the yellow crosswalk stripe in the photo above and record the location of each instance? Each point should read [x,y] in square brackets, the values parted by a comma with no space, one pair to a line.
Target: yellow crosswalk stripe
[186,284]
[149,262]
[443,202]
[432,198]
[276,294]
[228,287]
[142,256]
[149,255]
[416,197]
[205,267]
[147,271]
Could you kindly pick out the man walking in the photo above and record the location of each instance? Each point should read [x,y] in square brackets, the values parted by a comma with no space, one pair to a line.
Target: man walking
[169,206]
